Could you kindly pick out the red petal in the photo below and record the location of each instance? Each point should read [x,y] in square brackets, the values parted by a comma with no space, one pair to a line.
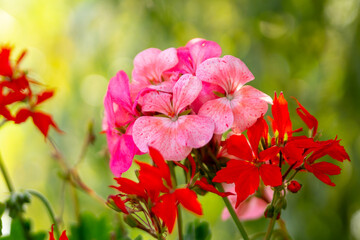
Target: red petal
[247,184]
[166,209]
[238,146]
[308,119]
[22,115]
[203,184]
[321,170]
[331,148]
[43,96]
[271,175]
[256,132]
[193,166]
[189,200]
[280,112]
[128,186]
[151,178]
[5,67]
[269,153]
[51,233]
[5,113]
[233,171]
[43,122]
[119,203]
[161,164]
[63,236]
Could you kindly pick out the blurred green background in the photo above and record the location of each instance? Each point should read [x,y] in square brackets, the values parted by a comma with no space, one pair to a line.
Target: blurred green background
[307,49]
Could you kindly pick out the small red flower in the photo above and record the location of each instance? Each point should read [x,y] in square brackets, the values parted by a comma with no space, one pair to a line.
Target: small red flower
[294,186]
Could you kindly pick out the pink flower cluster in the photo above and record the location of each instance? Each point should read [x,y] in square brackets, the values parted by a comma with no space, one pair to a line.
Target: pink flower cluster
[177,100]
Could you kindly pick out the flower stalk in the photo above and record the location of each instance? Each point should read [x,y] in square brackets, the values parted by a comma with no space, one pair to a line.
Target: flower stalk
[233,214]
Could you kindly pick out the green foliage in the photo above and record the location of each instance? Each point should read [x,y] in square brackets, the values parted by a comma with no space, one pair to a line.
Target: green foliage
[91,227]
[2,209]
[198,231]
[21,230]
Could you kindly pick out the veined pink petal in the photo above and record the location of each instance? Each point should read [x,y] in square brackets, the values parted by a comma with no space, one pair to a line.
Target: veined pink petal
[160,133]
[185,91]
[144,66]
[219,110]
[166,60]
[228,72]
[194,131]
[149,65]
[166,86]
[206,94]
[122,153]
[155,101]
[119,90]
[201,49]
[248,105]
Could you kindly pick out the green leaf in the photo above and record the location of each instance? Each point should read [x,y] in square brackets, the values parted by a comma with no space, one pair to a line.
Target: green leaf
[198,231]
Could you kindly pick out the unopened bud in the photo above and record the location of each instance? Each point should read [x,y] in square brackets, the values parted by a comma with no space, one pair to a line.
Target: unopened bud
[269,212]
[294,186]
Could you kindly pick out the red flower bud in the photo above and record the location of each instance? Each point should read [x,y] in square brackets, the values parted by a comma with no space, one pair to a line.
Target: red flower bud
[294,186]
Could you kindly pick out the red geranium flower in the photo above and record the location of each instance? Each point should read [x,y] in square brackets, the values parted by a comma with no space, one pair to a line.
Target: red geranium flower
[246,171]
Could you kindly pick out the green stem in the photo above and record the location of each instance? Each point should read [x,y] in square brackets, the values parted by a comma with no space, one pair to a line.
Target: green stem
[6,176]
[11,189]
[179,218]
[233,215]
[271,226]
[48,208]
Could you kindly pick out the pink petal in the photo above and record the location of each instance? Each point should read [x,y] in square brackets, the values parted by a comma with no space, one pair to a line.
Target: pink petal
[166,60]
[155,101]
[160,133]
[194,131]
[206,94]
[251,209]
[228,72]
[144,66]
[122,153]
[185,91]
[248,105]
[201,49]
[119,90]
[219,110]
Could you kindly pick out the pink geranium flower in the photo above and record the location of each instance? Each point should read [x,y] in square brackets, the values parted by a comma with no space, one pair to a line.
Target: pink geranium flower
[240,106]
[190,57]
[173,133]
[195,52]
[149,66]
[119,118]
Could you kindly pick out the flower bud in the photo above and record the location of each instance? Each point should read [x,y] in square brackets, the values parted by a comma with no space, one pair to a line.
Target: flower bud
[294,186]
